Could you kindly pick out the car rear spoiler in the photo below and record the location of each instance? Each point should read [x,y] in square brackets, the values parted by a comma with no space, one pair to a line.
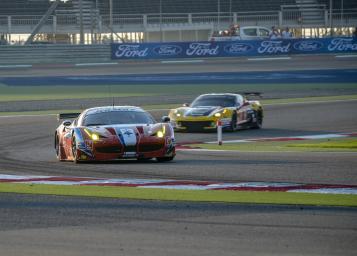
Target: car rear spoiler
[63,116]
[250,95]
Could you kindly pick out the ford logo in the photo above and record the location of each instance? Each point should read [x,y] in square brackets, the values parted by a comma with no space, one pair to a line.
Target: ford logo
[168,50]
[308,46]
[238,48]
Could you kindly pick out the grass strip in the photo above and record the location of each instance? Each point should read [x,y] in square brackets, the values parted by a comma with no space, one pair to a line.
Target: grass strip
[51,92]
[170,106]
[318,145]
[285,198]
[337,144]
[54,112]
[310,99]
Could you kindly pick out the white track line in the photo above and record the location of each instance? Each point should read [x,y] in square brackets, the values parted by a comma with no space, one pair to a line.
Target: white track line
[95,64]
[181,61]
[15,66]
[346,56]
[269,58]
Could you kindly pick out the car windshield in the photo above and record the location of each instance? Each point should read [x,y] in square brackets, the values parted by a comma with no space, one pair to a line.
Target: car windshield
[214,100]
[118,117]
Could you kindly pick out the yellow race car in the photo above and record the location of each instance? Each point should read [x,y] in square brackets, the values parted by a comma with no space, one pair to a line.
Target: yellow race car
[233,110]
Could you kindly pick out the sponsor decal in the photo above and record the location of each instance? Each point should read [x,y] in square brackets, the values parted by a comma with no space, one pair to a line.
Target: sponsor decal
[273,47]
[342,45]
[307,46]
[237,48]
[129,137]
[202,49]
[168,50]
[131,51]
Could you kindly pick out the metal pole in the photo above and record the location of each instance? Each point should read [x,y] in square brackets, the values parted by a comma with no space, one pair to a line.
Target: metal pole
[160,11]
[331,18]
[81,29]
[230,10]
[219,132]
[341,22]
[111,20]
[219,13]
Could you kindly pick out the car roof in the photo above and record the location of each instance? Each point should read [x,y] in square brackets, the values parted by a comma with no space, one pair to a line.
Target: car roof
[219,94]
[112,108]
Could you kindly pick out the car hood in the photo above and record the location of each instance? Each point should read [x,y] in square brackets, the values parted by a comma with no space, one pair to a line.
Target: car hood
[127,129]
[201,111]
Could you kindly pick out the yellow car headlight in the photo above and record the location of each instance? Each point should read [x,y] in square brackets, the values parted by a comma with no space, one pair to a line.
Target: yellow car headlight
[95,136]
[160,134]
[217,114]
[92,135]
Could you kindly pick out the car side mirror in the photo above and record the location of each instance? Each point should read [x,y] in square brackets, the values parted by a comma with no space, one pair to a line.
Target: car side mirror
[165,119]
[66,123]
[246,103]
[185,104]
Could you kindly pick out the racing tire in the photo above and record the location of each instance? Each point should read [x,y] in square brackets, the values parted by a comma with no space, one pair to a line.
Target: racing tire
[259,120]
[57,148]
[233,126]
[74,150]
[144,159]
[165,159]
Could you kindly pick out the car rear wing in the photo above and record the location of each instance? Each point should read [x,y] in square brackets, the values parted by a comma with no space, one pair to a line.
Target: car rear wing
[63,116]
[252,95]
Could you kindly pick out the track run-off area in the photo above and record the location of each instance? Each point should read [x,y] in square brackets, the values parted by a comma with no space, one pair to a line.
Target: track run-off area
[80,225]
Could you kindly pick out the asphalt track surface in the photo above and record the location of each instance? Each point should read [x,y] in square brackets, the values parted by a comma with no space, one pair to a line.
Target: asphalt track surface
[50,225]
[22,155]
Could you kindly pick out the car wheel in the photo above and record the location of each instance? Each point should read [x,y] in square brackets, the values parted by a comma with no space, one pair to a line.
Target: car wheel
[259,120]
[165,159]
[74,150]
[57,148]
[142,159]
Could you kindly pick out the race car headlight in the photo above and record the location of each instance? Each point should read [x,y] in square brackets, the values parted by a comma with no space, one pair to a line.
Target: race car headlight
[178,114]
[160,134]
[95,136]
[220,113]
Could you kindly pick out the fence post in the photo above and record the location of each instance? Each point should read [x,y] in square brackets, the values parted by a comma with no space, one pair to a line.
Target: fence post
[190,18]
[219,132]
[145,20]
[9,27]
[54,24]
[235,18]
[326,18]
[280,18]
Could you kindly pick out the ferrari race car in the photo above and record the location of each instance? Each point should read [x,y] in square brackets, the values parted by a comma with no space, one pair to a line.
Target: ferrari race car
[233,110]
[113,132]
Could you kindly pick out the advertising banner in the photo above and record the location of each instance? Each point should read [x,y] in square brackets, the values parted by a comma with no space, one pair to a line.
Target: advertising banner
[233,48]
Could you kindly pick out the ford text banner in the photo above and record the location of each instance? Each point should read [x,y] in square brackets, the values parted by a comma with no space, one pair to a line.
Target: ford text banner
[233,48]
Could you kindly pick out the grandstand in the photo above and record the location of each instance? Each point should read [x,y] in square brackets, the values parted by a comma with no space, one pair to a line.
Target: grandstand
[168,20]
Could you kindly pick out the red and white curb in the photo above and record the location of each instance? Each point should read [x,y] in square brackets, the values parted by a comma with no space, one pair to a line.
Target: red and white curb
[293,138]
[183,184]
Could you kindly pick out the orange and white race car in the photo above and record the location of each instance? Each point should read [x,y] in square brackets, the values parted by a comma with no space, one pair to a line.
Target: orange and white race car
[113,132]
